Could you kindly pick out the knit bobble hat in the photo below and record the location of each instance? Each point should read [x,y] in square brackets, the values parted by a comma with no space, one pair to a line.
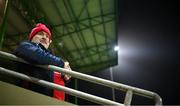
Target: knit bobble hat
[39,27]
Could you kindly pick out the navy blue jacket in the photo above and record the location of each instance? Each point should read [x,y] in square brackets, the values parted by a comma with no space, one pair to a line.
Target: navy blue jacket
[37,54]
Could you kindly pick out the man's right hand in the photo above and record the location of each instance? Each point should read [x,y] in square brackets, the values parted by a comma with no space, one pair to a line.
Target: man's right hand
[67,66]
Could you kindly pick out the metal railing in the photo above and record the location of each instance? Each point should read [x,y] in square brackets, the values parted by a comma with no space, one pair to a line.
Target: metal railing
[128,89]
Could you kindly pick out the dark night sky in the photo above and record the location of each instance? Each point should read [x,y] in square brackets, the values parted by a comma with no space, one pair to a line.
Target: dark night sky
[148,39]
[149,28]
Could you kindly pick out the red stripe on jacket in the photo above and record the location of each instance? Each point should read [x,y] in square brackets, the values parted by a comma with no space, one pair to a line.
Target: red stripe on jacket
[58,80]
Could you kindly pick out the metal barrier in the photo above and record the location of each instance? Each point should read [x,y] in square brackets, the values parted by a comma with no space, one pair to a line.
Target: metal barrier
[70,91]
[128,89]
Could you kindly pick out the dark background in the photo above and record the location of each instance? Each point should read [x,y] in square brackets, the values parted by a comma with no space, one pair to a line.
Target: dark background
[148,36]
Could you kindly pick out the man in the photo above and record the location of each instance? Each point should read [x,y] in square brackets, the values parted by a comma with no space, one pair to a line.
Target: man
[35,51]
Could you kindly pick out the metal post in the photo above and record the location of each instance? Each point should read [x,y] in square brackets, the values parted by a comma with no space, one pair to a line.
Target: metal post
[113,91]
[158,100]
[76,100]
[3,25]
[128,98]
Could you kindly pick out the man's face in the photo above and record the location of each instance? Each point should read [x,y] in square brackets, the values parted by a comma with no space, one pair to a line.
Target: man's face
[42,38]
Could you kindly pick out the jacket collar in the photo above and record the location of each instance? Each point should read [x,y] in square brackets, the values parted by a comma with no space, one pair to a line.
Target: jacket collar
[41,46]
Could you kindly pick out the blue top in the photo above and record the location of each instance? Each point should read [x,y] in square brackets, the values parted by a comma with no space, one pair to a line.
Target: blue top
[37,54]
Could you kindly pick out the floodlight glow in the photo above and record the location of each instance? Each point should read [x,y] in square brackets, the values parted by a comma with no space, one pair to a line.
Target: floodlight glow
[116,48]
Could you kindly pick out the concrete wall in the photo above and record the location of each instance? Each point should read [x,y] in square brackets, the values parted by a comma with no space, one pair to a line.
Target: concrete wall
[14,95]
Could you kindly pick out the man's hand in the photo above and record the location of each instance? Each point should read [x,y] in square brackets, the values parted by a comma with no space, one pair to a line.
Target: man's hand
[67,66]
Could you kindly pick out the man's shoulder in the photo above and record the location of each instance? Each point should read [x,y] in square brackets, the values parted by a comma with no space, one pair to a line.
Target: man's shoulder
[23,46]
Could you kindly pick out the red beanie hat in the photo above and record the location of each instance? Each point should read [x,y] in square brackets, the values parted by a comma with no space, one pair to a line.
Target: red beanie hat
[39,27]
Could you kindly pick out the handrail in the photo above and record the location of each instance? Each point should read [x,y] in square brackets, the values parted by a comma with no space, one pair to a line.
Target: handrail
[129,90]
[70,91]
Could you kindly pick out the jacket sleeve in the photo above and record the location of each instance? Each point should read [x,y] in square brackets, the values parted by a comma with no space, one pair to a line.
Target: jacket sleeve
[36,55]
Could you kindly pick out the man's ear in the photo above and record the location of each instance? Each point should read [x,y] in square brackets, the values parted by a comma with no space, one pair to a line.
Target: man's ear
[50,41]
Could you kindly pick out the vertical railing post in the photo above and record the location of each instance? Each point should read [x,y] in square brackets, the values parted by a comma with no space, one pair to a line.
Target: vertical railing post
[112,79]
[158,100]
[3,25]
[128,98]
[76,87]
